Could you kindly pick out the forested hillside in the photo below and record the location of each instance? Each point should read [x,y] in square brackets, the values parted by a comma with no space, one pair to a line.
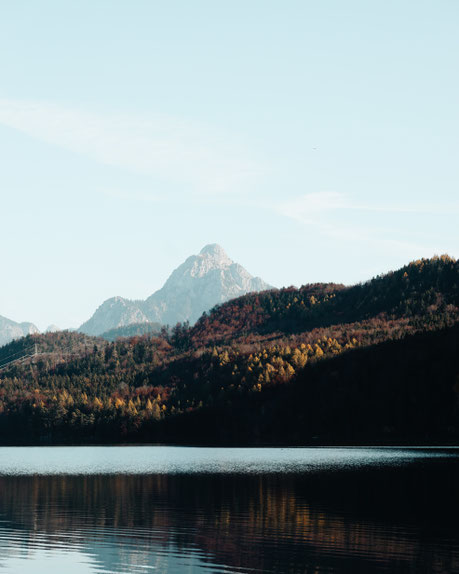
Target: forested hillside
[375,362]
[424,288]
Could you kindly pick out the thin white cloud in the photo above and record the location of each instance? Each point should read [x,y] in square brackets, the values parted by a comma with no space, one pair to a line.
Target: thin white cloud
[166,148]
[308,206]
[325,212]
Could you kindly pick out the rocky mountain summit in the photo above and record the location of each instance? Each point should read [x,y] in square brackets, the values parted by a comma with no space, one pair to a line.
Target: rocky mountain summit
[200,283]
[10,330]
[114,313]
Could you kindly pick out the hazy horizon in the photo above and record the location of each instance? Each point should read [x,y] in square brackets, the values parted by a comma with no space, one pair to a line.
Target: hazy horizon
[312,141]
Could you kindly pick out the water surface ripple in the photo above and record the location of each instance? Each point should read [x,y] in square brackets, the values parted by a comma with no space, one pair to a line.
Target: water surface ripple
[209,510]
[186,460]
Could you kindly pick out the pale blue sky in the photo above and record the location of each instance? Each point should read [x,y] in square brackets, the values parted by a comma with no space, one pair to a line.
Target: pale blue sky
[314,140]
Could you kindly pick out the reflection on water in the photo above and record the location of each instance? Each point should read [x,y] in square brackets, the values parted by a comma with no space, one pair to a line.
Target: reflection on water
[390,518]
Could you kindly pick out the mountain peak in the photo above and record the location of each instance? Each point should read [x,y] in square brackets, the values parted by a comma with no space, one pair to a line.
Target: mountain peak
[198,284]
[212,248]
[212,255]
[215,251]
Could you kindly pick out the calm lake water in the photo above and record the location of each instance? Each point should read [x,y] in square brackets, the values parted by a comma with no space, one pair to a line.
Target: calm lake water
[209,510]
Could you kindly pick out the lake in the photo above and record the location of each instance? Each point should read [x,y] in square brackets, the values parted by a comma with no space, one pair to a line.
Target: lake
[208,510]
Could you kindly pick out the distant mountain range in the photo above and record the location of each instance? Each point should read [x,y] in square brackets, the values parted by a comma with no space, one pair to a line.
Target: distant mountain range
[200,283]
[10,330]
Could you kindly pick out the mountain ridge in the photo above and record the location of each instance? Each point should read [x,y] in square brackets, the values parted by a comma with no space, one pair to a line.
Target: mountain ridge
[195,286]
[10,330]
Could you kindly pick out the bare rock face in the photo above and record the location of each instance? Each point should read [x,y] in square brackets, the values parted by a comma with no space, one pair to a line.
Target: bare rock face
[10,330]
[112,314]
[200,283]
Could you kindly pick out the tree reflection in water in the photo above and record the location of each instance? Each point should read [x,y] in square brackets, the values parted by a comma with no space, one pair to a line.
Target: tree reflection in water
[394,520]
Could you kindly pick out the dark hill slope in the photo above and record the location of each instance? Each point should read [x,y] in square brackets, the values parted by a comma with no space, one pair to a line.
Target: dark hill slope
[427,288]
[404,391]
